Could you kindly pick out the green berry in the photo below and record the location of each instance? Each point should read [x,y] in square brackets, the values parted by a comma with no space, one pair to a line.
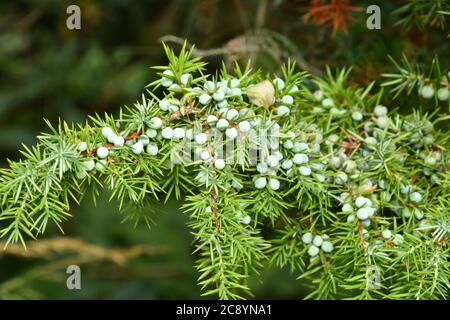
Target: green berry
[307,238]
[327,246]
[313,251]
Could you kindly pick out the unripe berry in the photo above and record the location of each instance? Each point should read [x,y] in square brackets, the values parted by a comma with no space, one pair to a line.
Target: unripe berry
[179,133]
[288,144]
[327,246]
[371,141]
[107,132]
[347,208]
[427,91]
[164,105]
[380,111]
[102,152]
[415,197]
[246,220]
[219,164]
[167,133]
[387,234]
[232,114]
[351,218]
[287,99]
[307,237]
[185,78]
[341,178]
[300,158]
[118,141]
[231,133]
[152,149]
[283,111]
[234,83]
[443,94]
[244,126]
[279,83]
[313,251]
[398,239]
[273,160]
[155,123]
[362,202]
[260,183]
[137,148]
[204,99]
[418,214]
[151,133]
[305,171]
[262,168]
[287,164]
[382,122]
[219,96]
[317,241]
[357,116]
[82,147]
[88,165]
[327,102]
[274,184]
[205,155]
[300,147]
[201,138]
[212,120]
[101,165]
[362,214]
[222,124]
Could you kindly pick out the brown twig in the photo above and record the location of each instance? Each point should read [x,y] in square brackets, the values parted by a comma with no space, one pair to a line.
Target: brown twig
[215,212]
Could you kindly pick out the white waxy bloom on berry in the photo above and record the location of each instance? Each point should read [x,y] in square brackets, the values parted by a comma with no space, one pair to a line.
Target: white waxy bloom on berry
[204,99]
[274,184]
[327,246]
[287,99]
[443,94]
[349,166]
[398,239]
[260,183]
[137,148]
[190,134]
[341,178]
[223,111]
[244,126]
[236,92]
[118,141]
[327,102]
[300,147]
[288,144]
[185,78]
[371,141]
[218,96]
[427,91]
[351,218]
[88,165]
[313,251]
[232,114]
[152,149]
[210,86]
[82,147]
[164,105]
[305,171]
[362,202]
[237,185]
[167,133]
[279,83]
[387,234]
[231,133]
[219,164]
[317,241]
[307,238]
[165,81]
[222,124]
[382,122]
[357,116]
[262,168]
[108,133]
[273,160]
[380,111]
[234,83]
[283,111]
[144,140]
[155,123]
[415,197]
[205,155]
[211,120]
[179,133]
[201,138]
[101,165]
[418,214]
[246,220]
[151,133]
[102,152]
[287,164]
[174,86]
[300,158]
[347,207]
[293,89]
[362,213]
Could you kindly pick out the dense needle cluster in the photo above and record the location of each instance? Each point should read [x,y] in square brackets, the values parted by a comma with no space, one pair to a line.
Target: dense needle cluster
[311,174]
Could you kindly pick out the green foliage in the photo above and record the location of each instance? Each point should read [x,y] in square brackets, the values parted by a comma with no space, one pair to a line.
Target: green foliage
[345,148]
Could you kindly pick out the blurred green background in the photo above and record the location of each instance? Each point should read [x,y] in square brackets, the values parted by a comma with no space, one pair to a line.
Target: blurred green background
[48,71]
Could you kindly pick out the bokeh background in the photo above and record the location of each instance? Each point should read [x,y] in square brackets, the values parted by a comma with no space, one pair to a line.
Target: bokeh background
[48,71]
